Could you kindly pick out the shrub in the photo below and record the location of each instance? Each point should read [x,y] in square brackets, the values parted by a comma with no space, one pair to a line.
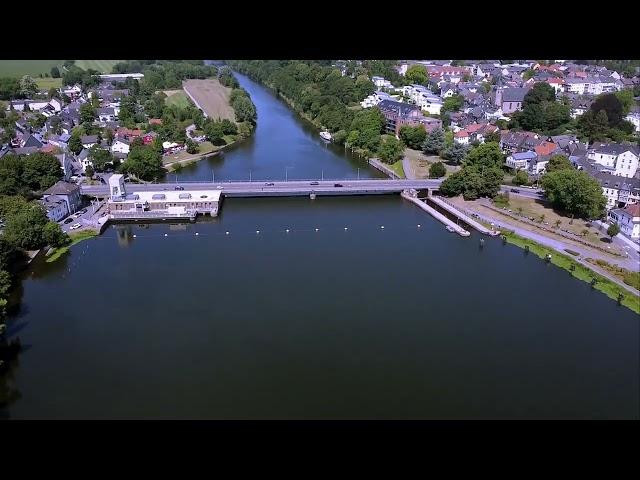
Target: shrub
[571,252]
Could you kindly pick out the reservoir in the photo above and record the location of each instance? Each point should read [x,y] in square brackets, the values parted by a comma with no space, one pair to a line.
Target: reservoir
[337,318]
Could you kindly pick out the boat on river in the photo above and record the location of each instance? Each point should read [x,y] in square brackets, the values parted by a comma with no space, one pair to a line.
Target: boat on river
[326,135]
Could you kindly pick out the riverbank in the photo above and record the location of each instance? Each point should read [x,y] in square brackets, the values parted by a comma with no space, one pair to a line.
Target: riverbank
[75,238]
[577,268]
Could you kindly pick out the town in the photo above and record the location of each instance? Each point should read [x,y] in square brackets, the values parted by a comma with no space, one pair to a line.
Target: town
[258,235]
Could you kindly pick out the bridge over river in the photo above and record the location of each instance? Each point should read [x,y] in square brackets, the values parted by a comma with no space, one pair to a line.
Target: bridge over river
[277,188]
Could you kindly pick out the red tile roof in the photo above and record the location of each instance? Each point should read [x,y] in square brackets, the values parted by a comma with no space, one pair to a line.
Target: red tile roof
[633,210]
[545,148]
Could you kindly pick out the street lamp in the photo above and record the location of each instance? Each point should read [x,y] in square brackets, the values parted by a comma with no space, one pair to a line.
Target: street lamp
[286,174]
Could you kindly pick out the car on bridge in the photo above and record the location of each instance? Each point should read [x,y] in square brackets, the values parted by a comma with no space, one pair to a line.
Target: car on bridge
[314,183]
[337,185]
[269,184]
[179,188]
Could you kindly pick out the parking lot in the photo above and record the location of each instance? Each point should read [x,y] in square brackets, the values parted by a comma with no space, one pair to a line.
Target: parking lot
[84,218]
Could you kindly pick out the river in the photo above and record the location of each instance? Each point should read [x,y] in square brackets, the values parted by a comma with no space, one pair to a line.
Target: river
[405,321]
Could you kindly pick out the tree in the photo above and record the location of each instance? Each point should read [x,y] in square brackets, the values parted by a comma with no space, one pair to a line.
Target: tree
[558,223]
[89,172]
[24,229]
[192,147]
[100,157]
[575,192]
[452,103]
[487,154]
[53,93]
[613,230]
[416,74]
[413,137]
[53,235]
[625,97]
[144,162]
[55,72]
[391,150]
[28,86]
[527,74]
[456,153]
[437,170]
[75,144]
[558,162]
[521,178]
[610,103]
[109,136]
[40,171]
[434,142]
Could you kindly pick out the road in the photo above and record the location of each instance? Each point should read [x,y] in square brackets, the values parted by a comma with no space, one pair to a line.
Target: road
[86,219]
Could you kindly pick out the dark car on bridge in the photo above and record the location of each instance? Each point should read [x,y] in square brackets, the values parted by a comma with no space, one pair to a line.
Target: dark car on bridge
[337,185]
[179,188]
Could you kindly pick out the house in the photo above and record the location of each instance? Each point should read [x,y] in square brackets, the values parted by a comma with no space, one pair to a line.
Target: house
[475,132]
[120,145]
[634,118]
[394,111]
[371,101]
[56,207]
[28,105]
[128,134]
[380,82]
[538,164]
[617,159]
[429,102]
[69,192]
[628,219]
[619,191]
[520,160]
[83,159]
[31,141]
[158,121]
[66,163]
[510,99]
[556,83]
[580,105]
[72,92]
[148,138]
[107,114]
[89,141]
[546,148]
[518,141]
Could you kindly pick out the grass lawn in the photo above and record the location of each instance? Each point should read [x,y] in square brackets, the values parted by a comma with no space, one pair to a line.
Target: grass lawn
[212,96]
[581,272]
[75,238]
[532,208]
[183,156]
[397,168]
[178,98]
[104,66]
[47,83]
[420,163]
[18,68]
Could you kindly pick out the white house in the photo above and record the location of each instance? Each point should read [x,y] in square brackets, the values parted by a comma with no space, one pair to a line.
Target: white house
[380,82]
[72,92]
[32,105]
[621,160]
[628,219]
[89,141]
[429,102]
[520,160]
[374,99]
[56,207]
[120,146]
[634,117]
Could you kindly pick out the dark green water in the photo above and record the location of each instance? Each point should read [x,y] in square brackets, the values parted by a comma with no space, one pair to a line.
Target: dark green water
[400,322]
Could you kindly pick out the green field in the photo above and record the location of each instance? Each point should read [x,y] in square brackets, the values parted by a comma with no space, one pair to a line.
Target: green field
[18,68]
[47,83]
[103,66]
[178,98]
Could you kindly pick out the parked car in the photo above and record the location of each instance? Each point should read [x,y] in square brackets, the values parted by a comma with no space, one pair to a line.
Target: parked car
[179,188]
[83,211]
[68,220]
[515,190]
[74,226]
